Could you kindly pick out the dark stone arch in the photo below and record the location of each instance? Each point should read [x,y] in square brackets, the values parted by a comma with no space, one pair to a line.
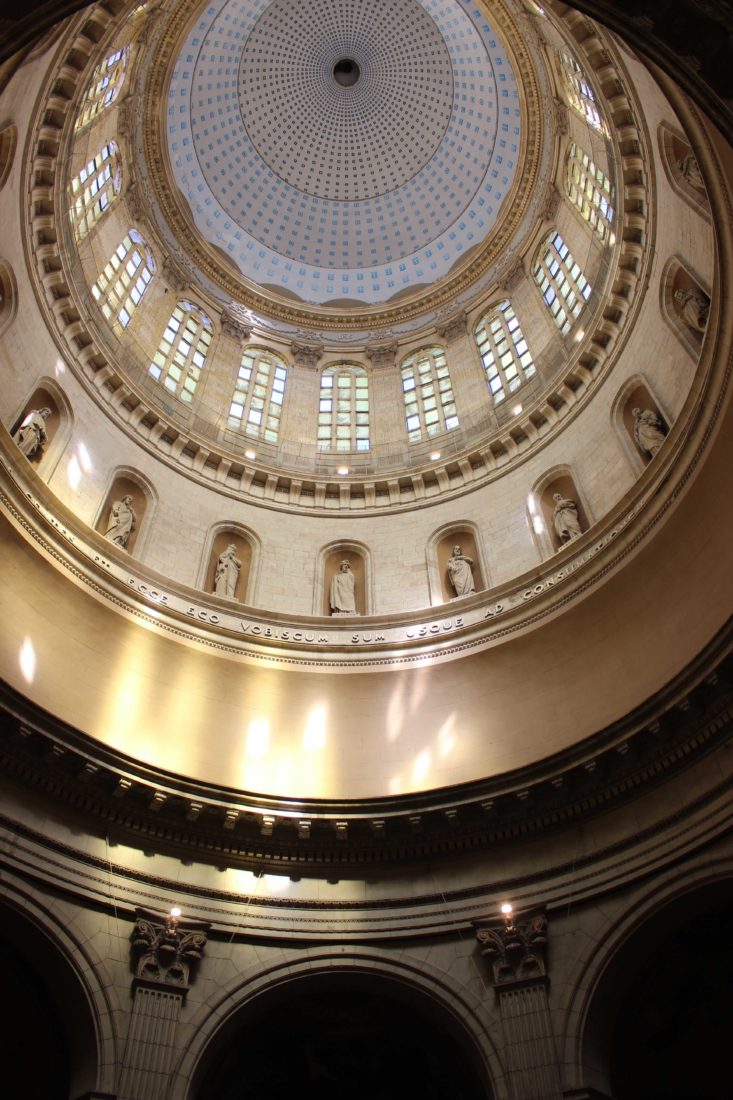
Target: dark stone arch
[366,1036]
[48,1042]
[660,1017]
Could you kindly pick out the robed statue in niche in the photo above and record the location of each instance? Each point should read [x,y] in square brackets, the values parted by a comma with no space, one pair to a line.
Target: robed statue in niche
[342,595]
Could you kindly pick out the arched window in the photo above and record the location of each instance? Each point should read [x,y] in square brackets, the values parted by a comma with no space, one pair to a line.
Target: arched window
[94,189]
[591,191]
[181,354]
[561,281]
[104,86]
[507,359]
[580,94]
[125,279]
[343,409]
[429,403]
[258,394]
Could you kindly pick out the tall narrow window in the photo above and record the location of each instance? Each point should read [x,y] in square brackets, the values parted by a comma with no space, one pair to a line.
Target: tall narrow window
[343,409]
[258,394]
[429,403]
[591,191]
[181,354]
[94,189]
[125,279]
[507,359]
[580,93]
[104,86]
[561,281]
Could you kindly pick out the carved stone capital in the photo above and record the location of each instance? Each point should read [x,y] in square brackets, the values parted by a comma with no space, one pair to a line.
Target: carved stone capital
[516,947]
[306,355]
[175,276]
[134,200]
[550,203]
[452,325]
[382,355]
[166,950]
[510,279]
[235,327]
[126,117]
[561,117]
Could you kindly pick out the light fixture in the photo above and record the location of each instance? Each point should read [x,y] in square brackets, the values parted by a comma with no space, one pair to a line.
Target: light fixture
[507,909]
[175,912]
[579,335]
[343,470]
[250,455]
[435,456]
[517,409]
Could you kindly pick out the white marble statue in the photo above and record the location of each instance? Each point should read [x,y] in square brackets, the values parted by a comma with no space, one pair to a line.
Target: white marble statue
[228,568]
[121,522]
[690,171]
[648,430]
[694,308]
[31,435]
[567,522]
[459,572]
[342,597]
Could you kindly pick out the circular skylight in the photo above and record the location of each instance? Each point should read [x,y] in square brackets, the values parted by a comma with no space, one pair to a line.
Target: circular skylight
[344,149]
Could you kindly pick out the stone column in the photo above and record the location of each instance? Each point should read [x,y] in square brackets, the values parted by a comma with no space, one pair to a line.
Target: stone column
[387,406]
[299,420]
[467,374]
[164,954]
[516,950]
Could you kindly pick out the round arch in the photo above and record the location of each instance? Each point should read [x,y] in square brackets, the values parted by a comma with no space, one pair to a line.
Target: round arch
[425,991]
[76,983]
[607,974]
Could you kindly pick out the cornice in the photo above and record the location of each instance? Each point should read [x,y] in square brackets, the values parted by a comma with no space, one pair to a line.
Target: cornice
[672,733]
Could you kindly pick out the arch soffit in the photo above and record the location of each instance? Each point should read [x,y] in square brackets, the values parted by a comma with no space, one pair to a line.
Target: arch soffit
[427,981]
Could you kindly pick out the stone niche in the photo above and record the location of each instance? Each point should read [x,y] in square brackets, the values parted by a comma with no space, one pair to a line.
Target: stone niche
[682,169]
[563,484]
[639,398]
[466,539]
[228,536]
[685,303]
[39,399]
[125,484]
[332,560]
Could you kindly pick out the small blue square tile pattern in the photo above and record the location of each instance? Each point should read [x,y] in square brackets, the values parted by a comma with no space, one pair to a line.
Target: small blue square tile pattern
[343,189]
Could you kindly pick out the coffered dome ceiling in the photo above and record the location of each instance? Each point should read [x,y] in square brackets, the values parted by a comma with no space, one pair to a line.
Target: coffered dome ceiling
[344,151]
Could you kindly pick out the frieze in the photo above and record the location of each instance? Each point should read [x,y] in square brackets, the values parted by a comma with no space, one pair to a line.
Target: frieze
[239,629]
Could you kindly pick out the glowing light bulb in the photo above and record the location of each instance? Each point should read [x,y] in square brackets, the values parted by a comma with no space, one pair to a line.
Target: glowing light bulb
[175,912]
[507,909]
[250,455]
[343,470]
[517,409]
[435,456]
